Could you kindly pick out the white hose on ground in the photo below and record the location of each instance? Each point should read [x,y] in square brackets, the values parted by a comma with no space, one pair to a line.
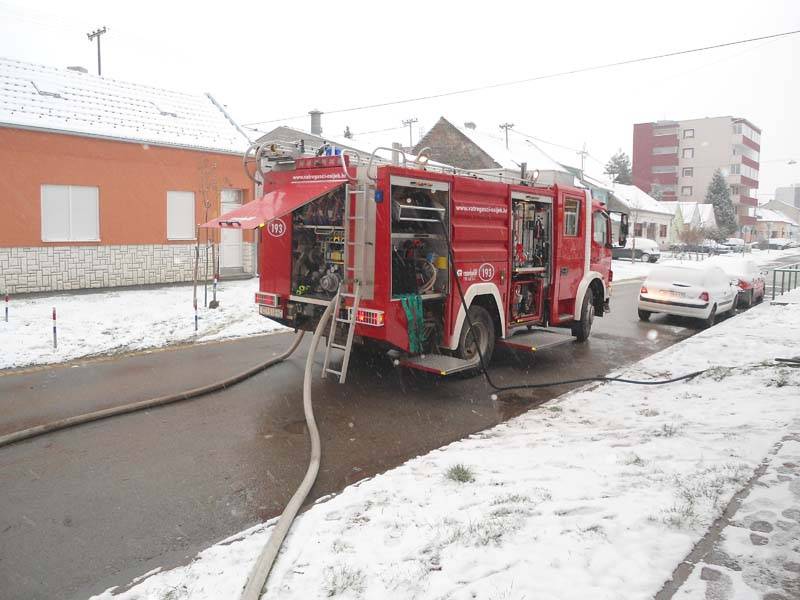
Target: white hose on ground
[105,413]
[258,576]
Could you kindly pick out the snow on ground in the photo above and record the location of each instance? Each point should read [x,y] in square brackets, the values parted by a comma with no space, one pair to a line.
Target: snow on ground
[597,494]
[115,321]
[758,555]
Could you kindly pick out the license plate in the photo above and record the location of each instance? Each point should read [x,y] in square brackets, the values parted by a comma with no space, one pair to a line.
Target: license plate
[673,293]
[270,311]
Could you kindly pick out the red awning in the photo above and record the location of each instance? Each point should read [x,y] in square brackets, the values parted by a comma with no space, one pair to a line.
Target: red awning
[280,201]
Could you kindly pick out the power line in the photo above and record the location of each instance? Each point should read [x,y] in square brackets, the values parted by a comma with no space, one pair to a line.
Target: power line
[547,76]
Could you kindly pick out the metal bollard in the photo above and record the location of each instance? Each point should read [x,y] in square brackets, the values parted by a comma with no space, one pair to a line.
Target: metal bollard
[195,315]
[55,333]
[6,308]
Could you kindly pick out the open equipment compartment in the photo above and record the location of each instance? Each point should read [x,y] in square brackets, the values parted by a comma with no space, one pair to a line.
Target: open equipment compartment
[318,244]
[420,264]
[532,229]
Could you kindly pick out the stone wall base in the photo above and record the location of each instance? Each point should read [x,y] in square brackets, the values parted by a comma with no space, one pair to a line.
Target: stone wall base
[56,268]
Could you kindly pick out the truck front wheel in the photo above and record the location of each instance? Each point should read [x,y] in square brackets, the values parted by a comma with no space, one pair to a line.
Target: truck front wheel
[481,335]
[582,328]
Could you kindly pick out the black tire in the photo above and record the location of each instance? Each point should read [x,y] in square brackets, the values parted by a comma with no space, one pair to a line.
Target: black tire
[644,315]
[645,257]
[712,318]
[581,329]
[484,327]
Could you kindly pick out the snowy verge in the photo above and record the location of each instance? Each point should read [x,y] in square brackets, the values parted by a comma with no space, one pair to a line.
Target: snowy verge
[114,321]
[597,494]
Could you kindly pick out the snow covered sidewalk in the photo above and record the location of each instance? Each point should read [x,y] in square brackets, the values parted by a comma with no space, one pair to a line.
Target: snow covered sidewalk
[113,321]
[598,494]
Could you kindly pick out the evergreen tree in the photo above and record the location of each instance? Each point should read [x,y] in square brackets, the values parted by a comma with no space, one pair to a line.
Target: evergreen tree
[719,195]
[619,168]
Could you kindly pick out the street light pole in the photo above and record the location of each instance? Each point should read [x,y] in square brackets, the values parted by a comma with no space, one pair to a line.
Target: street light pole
[96,34]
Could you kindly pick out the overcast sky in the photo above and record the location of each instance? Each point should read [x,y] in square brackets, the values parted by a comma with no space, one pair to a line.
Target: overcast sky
[271,60]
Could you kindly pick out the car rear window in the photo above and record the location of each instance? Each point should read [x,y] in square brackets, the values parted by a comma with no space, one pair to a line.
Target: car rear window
[681,274]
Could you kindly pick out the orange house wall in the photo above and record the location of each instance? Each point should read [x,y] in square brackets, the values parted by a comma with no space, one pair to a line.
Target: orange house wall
[133,180]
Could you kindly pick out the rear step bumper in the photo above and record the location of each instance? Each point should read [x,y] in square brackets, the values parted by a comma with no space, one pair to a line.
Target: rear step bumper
[535,340]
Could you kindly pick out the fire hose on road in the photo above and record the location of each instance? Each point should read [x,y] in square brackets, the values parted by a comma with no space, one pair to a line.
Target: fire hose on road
[32,432]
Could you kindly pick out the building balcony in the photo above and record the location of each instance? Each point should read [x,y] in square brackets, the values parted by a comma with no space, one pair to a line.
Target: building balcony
[747,161]
[746,220]
[749,183]
[742,140]
[744,200]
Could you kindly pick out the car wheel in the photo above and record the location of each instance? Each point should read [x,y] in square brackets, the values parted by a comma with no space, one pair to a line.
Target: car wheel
[709,322]
[645,257]
[644,315]
[583,328]
[482,334]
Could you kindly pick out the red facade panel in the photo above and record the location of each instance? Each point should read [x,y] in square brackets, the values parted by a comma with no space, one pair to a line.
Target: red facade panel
[750,143]
[749,162]
[643,142]
[749,183]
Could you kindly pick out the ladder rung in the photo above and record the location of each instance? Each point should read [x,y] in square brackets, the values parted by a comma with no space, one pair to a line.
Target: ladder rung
[354,218]
[338,346]
[334,371]
[358,191]
[338,320]
[348,294]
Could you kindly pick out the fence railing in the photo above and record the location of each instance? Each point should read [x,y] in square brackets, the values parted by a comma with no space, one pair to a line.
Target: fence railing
[789,278]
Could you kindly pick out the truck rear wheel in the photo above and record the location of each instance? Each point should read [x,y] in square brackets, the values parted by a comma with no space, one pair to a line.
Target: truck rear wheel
[581,329]
[481,335]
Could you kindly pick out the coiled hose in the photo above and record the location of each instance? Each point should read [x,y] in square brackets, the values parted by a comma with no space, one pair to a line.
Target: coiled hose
[32,432]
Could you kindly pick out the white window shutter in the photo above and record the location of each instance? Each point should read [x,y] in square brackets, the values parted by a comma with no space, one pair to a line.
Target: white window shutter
[180,216]
[84,223]
[55,213]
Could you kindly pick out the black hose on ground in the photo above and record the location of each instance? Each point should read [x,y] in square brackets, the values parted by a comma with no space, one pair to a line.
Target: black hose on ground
[32,432]
[531,386]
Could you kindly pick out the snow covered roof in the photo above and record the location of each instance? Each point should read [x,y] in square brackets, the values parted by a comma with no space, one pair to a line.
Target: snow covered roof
[634,198]
[39,97]
[519,151]
[773,216]
[704,213]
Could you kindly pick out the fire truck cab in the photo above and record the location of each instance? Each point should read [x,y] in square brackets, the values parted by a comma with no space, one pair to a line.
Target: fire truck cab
[396,246]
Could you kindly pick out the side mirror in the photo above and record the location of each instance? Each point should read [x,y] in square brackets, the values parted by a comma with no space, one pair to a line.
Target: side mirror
[623,229]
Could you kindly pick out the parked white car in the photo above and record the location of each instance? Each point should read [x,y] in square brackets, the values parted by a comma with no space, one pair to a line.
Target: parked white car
[693,290]
[646,250]
[745,273]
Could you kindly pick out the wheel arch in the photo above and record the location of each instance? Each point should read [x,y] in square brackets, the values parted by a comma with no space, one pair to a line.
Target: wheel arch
[486,295]
[591,281]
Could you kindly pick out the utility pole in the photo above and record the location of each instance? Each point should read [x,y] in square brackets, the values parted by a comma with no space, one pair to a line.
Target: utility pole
[583,153]
[506,126]
[409,123]
[96,34]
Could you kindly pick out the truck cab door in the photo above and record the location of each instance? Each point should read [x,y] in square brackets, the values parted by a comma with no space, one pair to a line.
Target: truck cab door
[570,229]
[601,244]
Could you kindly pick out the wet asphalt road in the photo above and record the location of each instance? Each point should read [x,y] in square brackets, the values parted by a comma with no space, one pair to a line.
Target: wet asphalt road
[84,509]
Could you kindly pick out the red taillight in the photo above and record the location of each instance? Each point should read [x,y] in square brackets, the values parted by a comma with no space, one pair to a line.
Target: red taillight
[268,299]
[643,290]
[704,297]
[368,316]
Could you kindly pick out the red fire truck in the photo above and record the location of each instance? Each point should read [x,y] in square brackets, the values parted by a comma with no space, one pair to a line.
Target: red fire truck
[391,243]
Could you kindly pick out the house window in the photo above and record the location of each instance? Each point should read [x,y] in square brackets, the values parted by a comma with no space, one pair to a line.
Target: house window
[665,150]
[662,169]
[688,133]
[70,213]
[571,216]
[688,171]
[734,190]
[688,153]
[180,216]
[735,169]
[686,190]
[662,231]
[637,230]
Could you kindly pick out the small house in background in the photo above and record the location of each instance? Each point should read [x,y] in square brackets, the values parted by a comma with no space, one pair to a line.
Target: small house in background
[647,217]
[789,210]
[772,224]
[486,153]
[695,215]
[104,181]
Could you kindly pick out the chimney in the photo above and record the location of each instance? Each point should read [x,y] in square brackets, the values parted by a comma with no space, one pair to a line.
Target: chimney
[78,69]
[469,125]
[316,122]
